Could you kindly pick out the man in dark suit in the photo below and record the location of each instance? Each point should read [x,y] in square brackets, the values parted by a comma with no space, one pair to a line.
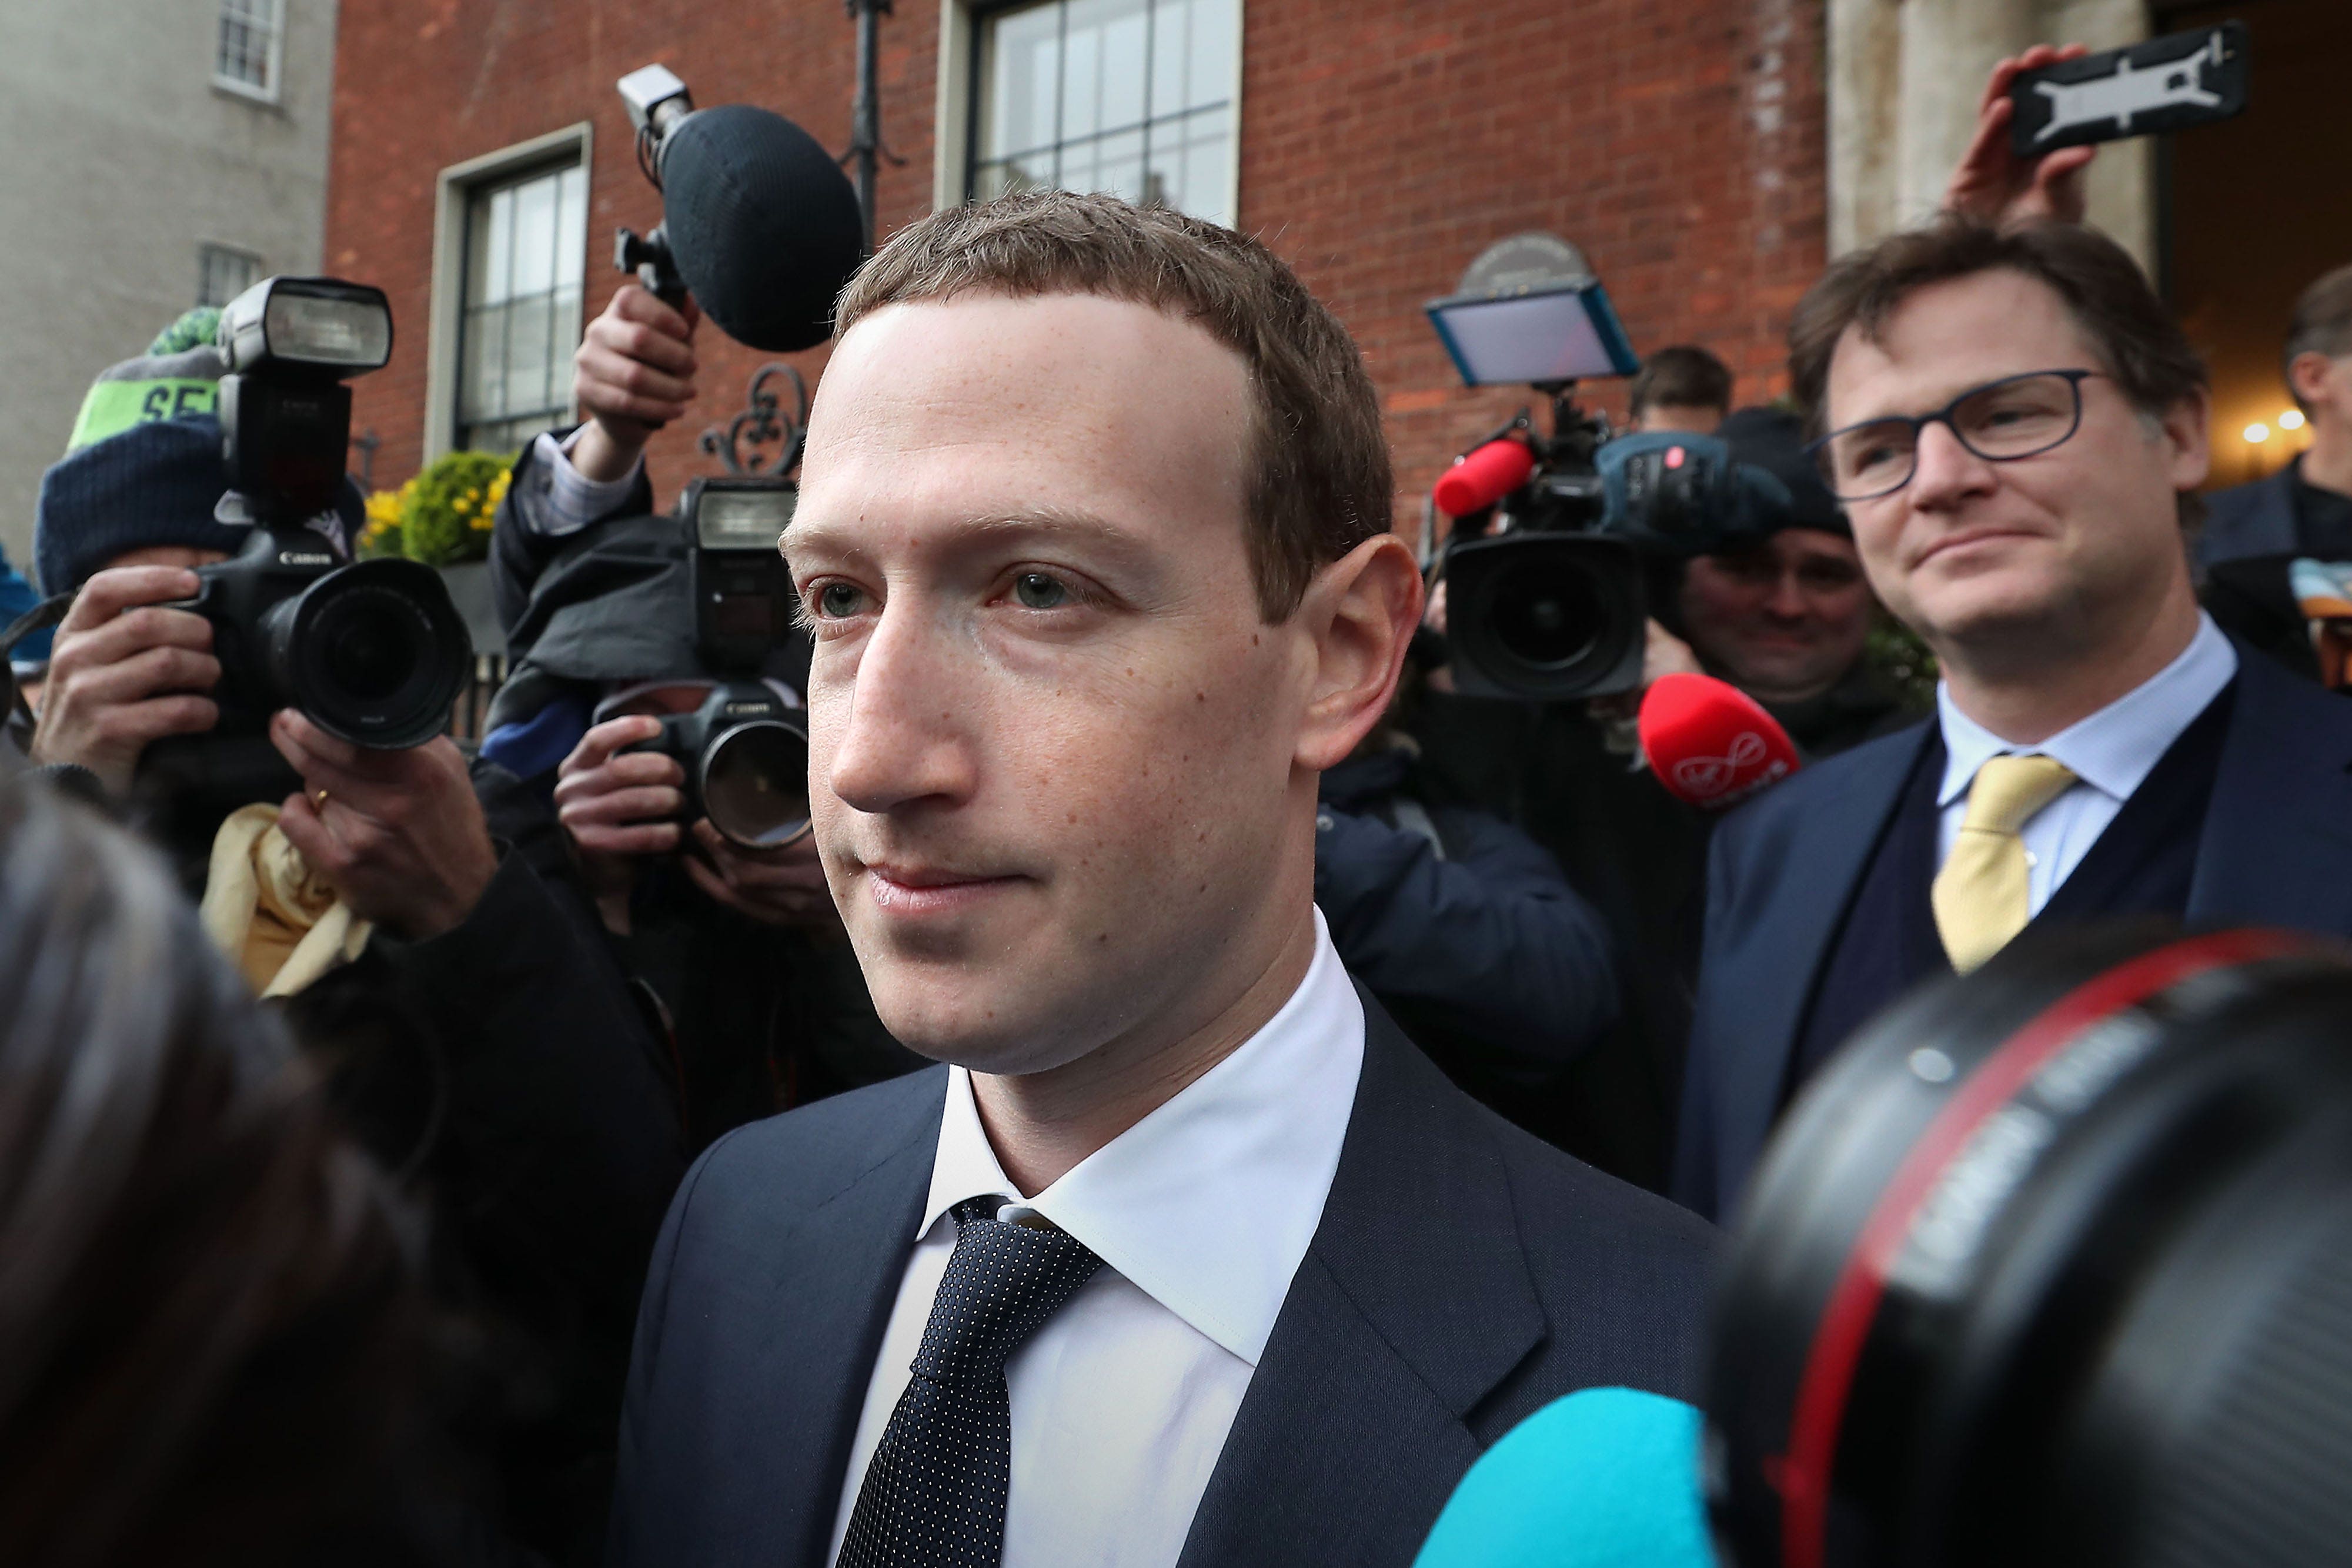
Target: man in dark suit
[2304,509]
[1189,1257]
[2014,420]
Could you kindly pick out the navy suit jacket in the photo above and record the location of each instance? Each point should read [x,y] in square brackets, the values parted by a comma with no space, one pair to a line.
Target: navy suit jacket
[1462,1275]
[2253,519]
[2276,850]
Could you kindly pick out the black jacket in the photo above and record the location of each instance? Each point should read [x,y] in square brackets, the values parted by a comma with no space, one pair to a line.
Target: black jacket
[503,1072]
[1461,925]
[1461,1276]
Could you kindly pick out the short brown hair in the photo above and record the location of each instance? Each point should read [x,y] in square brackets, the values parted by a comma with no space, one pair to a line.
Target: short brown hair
[2105,292]
[2321,325]
[1320,483]
[1683,376]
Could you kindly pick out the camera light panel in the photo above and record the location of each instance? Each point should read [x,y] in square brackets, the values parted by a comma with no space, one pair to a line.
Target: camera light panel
[345,332]
[1558,335]
[726,518]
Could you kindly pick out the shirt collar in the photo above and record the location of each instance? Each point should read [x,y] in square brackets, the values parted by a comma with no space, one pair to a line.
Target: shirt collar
[2114,749]
[1208,1203]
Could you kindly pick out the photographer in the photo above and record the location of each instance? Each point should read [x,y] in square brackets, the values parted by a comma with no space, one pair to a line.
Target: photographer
[738,950]
[1683,388]
[1460,924]
[400,903]
[1786,614]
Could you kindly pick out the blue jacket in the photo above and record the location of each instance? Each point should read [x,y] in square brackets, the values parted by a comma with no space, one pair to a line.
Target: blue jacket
[2276,850]
[2250,520]
[1463,1276]
[1473,937]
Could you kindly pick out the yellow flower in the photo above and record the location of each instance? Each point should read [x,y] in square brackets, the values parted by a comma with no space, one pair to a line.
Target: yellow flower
[461,505]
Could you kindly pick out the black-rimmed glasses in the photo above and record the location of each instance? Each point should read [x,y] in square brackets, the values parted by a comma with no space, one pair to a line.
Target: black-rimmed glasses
[2000,421]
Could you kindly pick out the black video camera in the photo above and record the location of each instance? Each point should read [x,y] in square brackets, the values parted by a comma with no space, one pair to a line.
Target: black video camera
[1550,584]
[745,750]
[371,652]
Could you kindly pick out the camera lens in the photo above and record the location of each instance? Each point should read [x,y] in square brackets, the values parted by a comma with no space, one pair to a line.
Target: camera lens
[755,783]
[1548,619]
[2047,1268]
[371,650]
[373,653]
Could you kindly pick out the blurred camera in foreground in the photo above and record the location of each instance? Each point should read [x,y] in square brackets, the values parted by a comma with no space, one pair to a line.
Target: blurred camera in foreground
[2053,1265]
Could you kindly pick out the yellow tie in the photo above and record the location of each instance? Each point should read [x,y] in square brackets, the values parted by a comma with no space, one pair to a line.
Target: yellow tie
[1980,895]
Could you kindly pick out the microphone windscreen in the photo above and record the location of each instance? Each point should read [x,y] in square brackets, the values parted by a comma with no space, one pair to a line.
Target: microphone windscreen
[1605,1478]
[1480,478]
[1711,744]
[763,224]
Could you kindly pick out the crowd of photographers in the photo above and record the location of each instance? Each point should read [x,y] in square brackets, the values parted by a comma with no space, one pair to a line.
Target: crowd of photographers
[533,977]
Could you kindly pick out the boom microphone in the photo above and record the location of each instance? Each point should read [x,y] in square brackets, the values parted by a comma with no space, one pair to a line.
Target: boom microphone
[1606,1477]
[762,224]
[1711,744]
[1479,478]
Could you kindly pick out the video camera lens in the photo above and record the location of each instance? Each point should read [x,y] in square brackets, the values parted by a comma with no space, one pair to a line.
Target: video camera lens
[1549,620]
[755,783]
[373,654]
[2053,1265]
[1545,616]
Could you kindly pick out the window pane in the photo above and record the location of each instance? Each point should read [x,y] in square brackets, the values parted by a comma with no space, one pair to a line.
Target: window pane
[1209,74]
[1023,76]
[572,229]
[247,33]
[1171,47]
[1118,166]
[1142,105]
[526,257]
[534,237]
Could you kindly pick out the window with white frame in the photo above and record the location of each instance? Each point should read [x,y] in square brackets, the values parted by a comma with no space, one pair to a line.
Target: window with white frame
[223,273]
[526,254]
[250,47]
[1134,97]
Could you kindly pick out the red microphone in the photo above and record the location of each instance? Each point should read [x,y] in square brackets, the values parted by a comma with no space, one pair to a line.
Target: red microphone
[1711,744]
[1481,478]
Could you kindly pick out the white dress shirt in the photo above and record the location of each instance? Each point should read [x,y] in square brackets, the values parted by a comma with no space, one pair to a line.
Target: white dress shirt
[1200,1213]
[573,500]
[2111,753]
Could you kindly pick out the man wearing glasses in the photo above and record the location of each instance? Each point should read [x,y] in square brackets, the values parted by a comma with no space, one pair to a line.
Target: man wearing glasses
[2012,422]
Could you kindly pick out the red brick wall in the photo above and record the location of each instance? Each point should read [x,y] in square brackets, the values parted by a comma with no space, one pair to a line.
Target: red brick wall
[1384,142]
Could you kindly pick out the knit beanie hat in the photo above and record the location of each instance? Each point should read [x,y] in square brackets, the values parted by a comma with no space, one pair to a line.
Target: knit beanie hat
[143,466]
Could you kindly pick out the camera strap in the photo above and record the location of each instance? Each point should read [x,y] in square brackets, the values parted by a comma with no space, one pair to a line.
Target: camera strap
[45,614]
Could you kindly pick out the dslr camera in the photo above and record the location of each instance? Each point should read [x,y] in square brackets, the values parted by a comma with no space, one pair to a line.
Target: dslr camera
[745,749]
[373,652]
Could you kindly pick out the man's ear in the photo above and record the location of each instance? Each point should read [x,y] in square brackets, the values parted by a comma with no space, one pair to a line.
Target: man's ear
[1360,613]
[2308,375]
[2187,439]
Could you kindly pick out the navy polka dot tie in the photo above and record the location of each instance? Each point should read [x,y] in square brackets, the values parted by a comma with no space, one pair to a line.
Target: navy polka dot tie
[933,1496]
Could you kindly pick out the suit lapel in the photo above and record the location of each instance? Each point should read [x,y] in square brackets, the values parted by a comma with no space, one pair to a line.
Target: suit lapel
[2277,843]
[837,1282]
[1412,1304]
[1760,996]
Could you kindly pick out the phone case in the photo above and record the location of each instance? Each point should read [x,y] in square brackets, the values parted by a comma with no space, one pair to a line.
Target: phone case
[2166,84]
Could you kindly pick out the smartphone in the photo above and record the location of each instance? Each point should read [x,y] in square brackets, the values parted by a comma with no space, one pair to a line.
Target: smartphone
[2166,84]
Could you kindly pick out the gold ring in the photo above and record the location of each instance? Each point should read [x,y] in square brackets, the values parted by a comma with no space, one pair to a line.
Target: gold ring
[322,800]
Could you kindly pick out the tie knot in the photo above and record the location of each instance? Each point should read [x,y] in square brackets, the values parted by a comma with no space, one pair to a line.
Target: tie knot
[2008,791]
[1003,1281]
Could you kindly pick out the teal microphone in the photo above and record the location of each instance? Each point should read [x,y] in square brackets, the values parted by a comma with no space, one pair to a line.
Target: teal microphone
[1605,1478]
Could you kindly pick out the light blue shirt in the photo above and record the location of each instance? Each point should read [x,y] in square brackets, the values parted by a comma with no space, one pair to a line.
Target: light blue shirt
[2110,753]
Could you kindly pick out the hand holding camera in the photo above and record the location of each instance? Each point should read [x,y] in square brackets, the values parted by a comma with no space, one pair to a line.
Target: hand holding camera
[127,671]
[399,834]
[784,886]
[633,372]
[619,804]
